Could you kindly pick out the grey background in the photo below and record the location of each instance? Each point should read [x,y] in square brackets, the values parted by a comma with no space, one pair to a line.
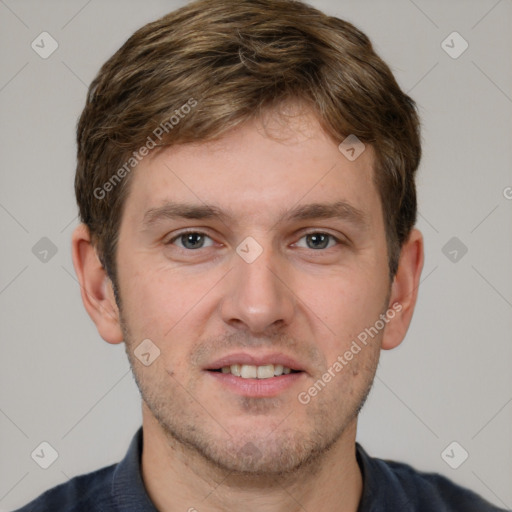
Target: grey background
[449,381]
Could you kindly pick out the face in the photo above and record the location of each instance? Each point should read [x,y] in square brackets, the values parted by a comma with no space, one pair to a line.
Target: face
[253,263]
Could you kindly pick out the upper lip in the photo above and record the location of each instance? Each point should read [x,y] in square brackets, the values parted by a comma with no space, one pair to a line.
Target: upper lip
[255,360]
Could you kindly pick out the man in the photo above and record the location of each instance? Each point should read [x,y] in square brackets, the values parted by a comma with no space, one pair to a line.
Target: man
[246,185]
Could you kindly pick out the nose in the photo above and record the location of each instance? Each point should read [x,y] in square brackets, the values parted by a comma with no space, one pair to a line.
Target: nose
[258,296]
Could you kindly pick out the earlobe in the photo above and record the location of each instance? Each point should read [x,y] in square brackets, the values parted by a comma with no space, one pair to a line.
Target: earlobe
[404,290]
[95,286]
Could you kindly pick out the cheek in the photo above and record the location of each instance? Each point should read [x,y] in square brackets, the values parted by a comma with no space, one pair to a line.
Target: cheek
[162,303]
[154,308]
[346,304]
[146,300]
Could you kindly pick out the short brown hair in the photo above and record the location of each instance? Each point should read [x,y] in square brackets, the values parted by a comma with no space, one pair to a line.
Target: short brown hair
[222,62]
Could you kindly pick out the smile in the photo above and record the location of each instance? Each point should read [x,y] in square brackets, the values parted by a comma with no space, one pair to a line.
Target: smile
[248,371]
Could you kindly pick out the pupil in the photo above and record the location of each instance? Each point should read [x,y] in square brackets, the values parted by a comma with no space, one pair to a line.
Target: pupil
[318,241]
[192,240]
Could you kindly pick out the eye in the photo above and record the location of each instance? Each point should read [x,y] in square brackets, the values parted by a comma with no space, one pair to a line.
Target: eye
[191,240]
[318,240]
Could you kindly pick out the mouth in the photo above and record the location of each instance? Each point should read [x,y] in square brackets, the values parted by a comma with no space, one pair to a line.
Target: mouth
[249,371]
[256,375]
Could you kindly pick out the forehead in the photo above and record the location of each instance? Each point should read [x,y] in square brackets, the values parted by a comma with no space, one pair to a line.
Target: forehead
[257,170]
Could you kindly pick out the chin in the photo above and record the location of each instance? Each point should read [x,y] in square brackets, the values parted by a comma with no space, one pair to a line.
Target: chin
[257,453]
[261,458]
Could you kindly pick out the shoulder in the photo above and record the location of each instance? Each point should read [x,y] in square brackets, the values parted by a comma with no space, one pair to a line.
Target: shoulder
[86,492]
[436,492]
[399,486]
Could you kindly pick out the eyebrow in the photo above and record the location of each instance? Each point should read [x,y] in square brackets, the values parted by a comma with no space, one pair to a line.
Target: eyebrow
[338,210]
[172,210]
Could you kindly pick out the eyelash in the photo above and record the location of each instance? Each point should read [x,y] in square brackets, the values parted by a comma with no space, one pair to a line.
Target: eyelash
[187,232]
[196,232]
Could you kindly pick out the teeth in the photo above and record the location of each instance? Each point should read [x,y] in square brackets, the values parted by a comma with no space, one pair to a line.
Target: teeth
[265,372]
[278,370]
[248,371]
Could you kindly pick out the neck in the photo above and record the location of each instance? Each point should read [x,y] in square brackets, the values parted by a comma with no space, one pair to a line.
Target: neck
[177,478]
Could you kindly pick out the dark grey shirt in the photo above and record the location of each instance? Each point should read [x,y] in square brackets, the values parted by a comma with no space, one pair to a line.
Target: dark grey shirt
[388,487]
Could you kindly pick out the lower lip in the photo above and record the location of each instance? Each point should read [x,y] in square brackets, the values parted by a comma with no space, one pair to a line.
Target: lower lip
[256,388]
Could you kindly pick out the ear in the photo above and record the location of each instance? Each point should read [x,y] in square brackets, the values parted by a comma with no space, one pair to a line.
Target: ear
[96,287]
[404,290]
